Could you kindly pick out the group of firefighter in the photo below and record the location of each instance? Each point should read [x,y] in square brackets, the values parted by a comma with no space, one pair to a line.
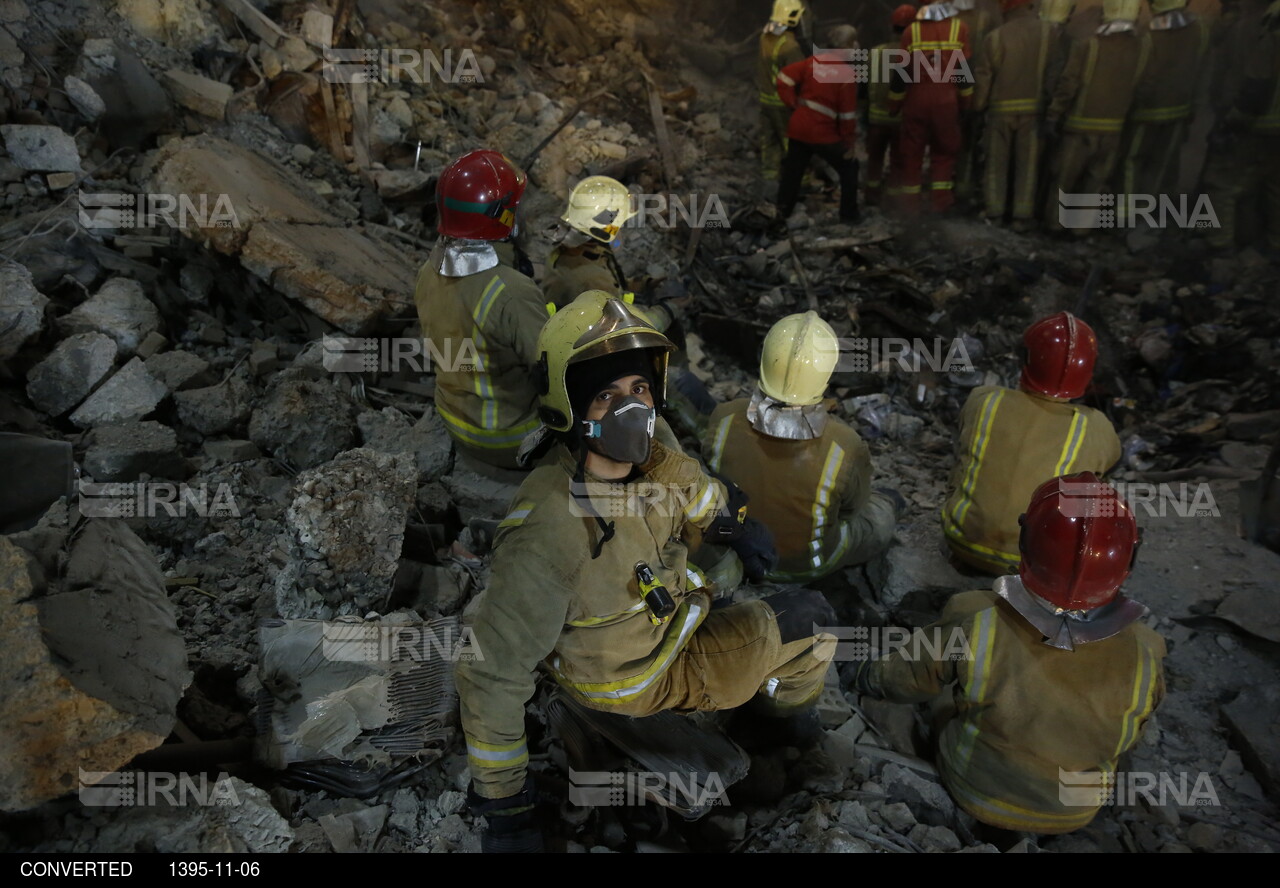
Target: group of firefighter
[1011,110]
[638,577]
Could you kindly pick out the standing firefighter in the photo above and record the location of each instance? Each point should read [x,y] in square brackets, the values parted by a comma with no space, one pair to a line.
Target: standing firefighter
[1010,88]
[1012,441]
[1163,103]
[778,48]
[1091,101]
[883,124]
[935,86]
[1057,679]
[822,93]
[806,473]
[613,610]
[470,291]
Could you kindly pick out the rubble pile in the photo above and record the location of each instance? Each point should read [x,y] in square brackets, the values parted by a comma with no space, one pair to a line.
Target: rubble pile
[199,195]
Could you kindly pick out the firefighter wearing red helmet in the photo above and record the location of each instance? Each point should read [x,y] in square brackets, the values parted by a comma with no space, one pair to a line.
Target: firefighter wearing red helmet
[480,311]
[1013,440]
[1055,678]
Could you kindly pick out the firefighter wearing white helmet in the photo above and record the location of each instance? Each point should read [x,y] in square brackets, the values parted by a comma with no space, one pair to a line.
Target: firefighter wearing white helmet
[612,609]
[584,259]
[779,46]
[825,515]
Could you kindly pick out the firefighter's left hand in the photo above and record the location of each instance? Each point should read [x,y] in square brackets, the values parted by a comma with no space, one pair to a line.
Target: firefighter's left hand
[756,549]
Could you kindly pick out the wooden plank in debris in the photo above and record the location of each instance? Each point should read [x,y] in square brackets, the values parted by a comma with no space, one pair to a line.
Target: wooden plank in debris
[333,128]
[845,243]
[664,138]
[266,30]
[360,123]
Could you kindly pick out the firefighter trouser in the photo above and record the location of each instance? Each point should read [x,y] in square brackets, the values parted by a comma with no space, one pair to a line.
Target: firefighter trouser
[882,151]
[773,138]
[797,161]
[1013,146]
[1151,157]
[734,655]
[1233,175]
[1085,164]
[937,129]
[972,130]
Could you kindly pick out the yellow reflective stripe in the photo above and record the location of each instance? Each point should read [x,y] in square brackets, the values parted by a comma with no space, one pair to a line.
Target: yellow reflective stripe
[497,755]
[1071,447]
[822,501]
[488,438]
[1141,701]
[1006,815]
[1162,115]
[686,618]
[939,45]
[982,634]
[483,385]
[997,557]
[607,618]
[551,308]
[909,189]
[1095,124]
[1014,106]
[977,451]
[517,515]
[702,503]
[717,444]
[487,299]
[842,546]
[945,185]
[882,117]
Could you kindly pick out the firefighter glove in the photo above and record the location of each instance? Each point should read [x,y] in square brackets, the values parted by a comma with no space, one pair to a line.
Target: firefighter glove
[756,550]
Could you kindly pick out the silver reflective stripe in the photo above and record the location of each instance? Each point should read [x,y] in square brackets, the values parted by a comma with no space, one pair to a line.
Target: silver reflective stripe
[488,755]
[819,107]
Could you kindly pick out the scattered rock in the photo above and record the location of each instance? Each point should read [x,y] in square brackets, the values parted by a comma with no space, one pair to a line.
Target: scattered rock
[83,97]
[199,94]
[45,149]
[898,817]
[21,309]
[70,372]
[123,452]
[1204,836]
[928,799]
[389,431]
[1253,718]
[837,841]
[179,370]
[216,408]
[120,311]
[940,840]
[304,422]
[223,452]
[130,394]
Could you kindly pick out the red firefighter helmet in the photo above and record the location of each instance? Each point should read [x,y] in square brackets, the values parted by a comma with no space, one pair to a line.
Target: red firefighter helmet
[1078,542]
[1061,350]
[903,16]
[477,196]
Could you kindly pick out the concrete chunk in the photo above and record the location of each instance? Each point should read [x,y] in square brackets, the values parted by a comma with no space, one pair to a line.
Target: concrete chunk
[179,370]
[45,149]
[21,309]
[215,408]
[304,421]
[83,97]
[69,373]
[390,432]
[131,394]
[199,94]
[118,309]
[123,452]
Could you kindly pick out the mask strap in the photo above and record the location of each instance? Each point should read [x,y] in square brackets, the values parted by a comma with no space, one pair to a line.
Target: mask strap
[579,480]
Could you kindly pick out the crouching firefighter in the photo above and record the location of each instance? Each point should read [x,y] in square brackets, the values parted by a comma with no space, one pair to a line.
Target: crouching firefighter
[590,579]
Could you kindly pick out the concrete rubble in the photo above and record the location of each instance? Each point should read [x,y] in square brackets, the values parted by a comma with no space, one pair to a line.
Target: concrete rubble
[177,337]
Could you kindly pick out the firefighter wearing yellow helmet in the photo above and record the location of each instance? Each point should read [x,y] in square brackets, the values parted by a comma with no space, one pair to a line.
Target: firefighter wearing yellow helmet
[826,515]
[779,46]
[591,579]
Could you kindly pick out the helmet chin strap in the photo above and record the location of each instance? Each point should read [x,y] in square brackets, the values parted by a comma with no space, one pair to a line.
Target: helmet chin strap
[580,492]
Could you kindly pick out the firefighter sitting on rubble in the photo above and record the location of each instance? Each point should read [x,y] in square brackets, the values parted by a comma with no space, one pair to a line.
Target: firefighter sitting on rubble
[611,608]
[826,515]
[1057,677]
[1012,441]
[476,288]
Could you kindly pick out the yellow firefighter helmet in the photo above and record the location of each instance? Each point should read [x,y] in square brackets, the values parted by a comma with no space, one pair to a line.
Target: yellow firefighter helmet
[787,12]
[798,358]
[598,206]
[1056,11]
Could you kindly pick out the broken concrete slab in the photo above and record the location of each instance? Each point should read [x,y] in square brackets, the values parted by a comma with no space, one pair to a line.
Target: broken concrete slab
[79,698]
[136,104]
[918,568]
[120,310]
[389,431]
[84,98]
[255,188]
[927,798]
[123,452]
[199,94]
[224,452]
[44,149]
[22,309]
[477,496]
[215,409]
[70,372]
[338,273]
[1253,718]
[179,370]
[304,422]
[130,394]
[345,528]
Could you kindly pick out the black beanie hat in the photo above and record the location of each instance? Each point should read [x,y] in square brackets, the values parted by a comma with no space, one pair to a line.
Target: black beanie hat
[586,380]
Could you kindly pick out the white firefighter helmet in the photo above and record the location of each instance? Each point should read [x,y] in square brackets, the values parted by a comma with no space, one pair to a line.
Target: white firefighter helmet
[798,358]
[598,206]
[787,12]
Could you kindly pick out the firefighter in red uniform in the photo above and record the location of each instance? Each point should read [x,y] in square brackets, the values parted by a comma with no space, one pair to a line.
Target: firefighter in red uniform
[823,94]
[883,126]
[935,87]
